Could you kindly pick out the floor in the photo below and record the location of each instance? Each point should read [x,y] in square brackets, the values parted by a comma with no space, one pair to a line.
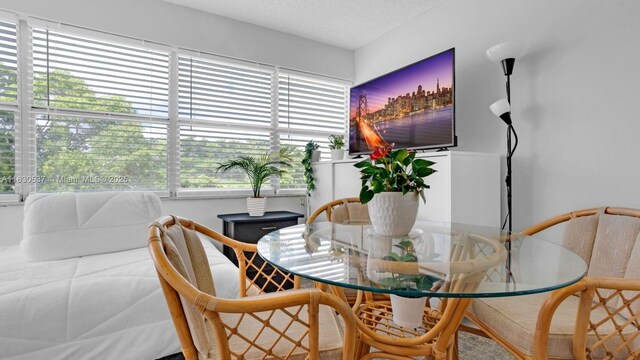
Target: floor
[471,347]
[480,348]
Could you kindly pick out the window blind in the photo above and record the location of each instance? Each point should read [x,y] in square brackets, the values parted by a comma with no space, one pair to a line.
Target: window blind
[8,97]
[224,112]
[308,109]
[7,152]
[310,105]
[8,63]
[101,114]
[93,111]
[78,153]
[81,73]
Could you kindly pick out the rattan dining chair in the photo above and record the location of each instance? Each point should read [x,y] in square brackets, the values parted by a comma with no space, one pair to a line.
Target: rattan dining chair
[595,318]
[291,324]
[343,211]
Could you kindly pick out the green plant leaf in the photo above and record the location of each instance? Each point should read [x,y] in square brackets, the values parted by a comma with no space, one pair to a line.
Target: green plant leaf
[424,283]
[402,155]
[405,244]
[408,258]
[423,171]
[389,282]
[369,170]
[394,256]
[377,187]
[366,195]
[422,163]
[363,163]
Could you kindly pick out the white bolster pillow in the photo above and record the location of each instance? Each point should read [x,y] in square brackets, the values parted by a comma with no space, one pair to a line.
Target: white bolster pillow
[64,225]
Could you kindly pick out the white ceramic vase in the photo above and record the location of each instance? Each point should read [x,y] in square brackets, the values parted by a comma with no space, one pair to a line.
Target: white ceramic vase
[256,206]
[315,156]
[337,154]
[407,312]
[393,214]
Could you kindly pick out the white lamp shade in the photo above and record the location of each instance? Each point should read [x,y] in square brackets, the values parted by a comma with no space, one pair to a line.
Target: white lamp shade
[500,107]
[505,50]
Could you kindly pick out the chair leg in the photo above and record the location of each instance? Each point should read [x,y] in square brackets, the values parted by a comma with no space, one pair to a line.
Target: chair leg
[453,354]
[363,350]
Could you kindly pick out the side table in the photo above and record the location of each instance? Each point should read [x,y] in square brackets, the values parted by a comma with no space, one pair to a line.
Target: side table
[249,229]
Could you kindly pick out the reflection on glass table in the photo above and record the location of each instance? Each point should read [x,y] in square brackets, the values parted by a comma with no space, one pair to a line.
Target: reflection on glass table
[419,264]
[453,262]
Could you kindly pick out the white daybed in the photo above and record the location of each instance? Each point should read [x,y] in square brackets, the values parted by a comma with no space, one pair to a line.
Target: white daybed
[92,292]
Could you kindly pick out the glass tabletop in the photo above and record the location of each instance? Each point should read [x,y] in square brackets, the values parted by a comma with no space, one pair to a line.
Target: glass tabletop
[435,259]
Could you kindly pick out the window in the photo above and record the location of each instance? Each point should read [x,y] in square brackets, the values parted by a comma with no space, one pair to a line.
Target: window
[308,109]
[224,112]
[101,114]
[87,111]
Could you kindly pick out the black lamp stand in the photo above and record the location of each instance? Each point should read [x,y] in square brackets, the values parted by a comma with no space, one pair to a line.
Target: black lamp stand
[507,66]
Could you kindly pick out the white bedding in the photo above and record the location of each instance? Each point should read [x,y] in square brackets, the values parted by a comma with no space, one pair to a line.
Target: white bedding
[107,306]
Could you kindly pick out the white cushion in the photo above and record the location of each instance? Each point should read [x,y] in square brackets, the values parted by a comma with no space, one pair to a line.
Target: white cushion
[65,225]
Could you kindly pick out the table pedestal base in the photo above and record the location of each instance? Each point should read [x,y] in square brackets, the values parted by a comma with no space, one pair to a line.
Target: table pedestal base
[435,338]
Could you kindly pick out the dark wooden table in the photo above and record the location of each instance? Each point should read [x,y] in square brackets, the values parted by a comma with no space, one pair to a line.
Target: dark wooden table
[249,229]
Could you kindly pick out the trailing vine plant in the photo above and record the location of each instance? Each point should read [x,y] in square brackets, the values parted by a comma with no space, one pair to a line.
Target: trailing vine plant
[308,169]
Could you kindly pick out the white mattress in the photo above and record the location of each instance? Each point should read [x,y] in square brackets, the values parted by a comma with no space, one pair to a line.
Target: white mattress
[107,306]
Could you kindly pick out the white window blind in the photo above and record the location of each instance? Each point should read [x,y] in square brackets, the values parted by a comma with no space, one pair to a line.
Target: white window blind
[101,114]
[84,110]
[224,112]
[308,109]
[9,99]
[8,63]
[7,152]
[81,73]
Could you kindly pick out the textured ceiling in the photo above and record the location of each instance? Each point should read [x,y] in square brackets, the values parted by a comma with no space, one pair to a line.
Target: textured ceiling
[345,23]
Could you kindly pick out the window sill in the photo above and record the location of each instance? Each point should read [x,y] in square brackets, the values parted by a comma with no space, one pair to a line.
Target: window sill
[237,194]
[10,200]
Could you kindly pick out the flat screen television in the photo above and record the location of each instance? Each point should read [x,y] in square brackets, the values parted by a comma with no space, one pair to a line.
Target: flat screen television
[412,107]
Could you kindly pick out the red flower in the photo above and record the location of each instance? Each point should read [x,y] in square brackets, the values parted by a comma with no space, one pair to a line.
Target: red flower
[380,151]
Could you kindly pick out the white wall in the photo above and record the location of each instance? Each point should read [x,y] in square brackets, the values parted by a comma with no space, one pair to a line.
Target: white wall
[166,23]
[204,211]
[575,94]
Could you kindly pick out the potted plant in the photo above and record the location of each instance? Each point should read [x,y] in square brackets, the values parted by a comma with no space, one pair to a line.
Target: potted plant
[391,183]
[308,158]
[258,169]
[336,144]
[407,311]
[313,149]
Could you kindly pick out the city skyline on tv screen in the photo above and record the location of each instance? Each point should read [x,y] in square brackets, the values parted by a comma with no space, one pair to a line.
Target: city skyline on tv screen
[412,107]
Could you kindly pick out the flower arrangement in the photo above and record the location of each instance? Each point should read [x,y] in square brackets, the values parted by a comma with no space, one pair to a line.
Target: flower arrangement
[389,170]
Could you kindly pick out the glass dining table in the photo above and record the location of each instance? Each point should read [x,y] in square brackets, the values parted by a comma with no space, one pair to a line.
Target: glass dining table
[448,263]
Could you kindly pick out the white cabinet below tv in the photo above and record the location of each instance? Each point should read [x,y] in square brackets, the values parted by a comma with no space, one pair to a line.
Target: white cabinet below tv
[466,188]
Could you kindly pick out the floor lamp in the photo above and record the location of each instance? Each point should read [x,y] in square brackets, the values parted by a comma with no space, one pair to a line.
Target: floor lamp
[506,53]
